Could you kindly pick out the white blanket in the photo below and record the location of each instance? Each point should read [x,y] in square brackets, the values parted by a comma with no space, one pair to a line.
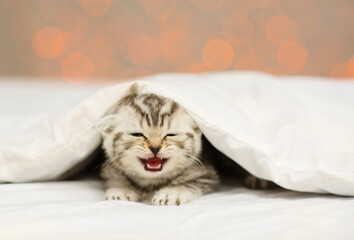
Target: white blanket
[297,132]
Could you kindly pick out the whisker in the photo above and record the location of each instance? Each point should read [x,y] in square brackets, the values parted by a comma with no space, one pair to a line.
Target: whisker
[109,160]
[194,159]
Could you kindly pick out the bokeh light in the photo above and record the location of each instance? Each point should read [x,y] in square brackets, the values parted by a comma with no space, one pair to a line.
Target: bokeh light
[340,71]
[281,29]
[217,54]
[76,68]
[351,66]
[48,42]
[292,57]
[95,7]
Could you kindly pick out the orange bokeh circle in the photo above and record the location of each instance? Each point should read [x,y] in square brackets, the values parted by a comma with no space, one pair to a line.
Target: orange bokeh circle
[292,57]
[143,50]
[76,68]
[95,7]
[281,29]
[217,54]
[340,71]
[48,42]
[351,66]
[238,30]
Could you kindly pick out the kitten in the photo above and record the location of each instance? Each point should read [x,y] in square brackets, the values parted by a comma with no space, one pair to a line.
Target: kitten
[153,149]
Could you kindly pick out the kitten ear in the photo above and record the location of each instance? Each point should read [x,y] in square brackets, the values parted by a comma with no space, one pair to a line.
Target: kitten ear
[104,124]
[133,88]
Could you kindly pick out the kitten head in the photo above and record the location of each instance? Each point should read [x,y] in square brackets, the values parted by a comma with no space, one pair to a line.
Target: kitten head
[150,136]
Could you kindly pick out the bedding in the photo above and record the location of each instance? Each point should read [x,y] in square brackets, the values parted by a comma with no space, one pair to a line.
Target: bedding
[75,210]
[295,131]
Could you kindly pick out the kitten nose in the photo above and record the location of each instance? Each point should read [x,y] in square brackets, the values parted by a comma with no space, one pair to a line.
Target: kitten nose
[155,150]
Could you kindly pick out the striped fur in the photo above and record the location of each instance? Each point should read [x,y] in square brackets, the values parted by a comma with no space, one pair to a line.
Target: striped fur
[163,125]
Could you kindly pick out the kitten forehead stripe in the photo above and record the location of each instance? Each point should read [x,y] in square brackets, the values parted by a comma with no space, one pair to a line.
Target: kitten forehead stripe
[154,104]
[190,135]
[173,109]
[110,129]
[117,136]
[128,145]
[115,140]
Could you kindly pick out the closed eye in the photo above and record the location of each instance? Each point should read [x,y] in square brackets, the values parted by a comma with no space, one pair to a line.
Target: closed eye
[136,134]
[171,135]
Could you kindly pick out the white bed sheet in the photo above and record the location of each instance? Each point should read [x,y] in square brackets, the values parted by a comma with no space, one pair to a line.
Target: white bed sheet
[75,210]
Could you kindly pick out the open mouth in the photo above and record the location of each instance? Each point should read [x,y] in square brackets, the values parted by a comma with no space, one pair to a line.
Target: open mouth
[154,164]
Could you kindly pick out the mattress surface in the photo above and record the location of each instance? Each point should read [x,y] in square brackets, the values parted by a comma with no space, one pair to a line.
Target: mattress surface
[75,210]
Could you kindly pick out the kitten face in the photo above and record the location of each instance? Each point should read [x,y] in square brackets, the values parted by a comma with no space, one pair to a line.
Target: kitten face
[150,136]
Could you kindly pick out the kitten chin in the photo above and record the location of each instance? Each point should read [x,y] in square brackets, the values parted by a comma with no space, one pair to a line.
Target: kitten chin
[153,148]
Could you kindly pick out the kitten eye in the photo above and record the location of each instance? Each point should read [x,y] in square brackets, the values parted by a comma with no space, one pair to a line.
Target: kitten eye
[134,134]
[171,135]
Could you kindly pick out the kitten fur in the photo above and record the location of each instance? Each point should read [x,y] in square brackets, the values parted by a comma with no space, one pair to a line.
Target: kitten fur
[153,150]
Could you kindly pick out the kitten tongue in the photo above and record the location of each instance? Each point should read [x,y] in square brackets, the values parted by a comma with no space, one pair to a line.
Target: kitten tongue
[154,162]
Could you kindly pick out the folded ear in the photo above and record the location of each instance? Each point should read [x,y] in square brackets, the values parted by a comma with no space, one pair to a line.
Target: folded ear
[134,89]
[105,123]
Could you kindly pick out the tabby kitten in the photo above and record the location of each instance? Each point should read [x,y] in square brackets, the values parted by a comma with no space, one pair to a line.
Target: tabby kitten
[153,149]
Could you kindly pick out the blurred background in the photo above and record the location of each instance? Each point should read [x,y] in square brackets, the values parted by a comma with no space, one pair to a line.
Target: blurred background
[80,40]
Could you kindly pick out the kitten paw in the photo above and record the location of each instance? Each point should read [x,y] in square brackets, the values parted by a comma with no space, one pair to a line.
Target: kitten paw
[256,183]
[173,196]
[123,194]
